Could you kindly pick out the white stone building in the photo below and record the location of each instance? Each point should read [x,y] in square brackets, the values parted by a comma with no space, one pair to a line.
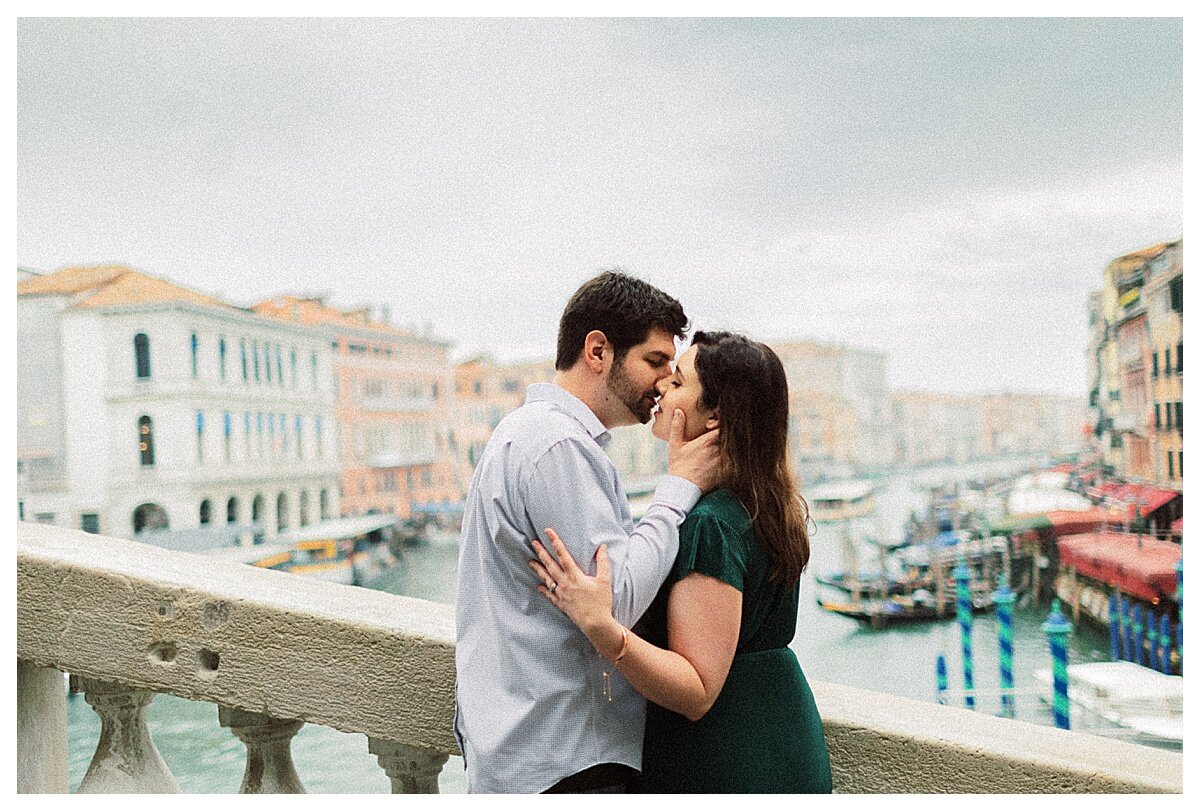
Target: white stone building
[143,405]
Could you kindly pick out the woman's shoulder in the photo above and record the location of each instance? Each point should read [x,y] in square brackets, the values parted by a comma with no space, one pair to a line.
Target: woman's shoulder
[723,507]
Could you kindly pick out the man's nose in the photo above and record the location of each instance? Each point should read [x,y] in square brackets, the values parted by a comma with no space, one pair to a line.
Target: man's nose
[661,385]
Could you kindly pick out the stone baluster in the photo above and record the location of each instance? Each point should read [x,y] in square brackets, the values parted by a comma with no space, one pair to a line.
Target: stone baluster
[41,730]
[412,769]
[126,761]
[269,766]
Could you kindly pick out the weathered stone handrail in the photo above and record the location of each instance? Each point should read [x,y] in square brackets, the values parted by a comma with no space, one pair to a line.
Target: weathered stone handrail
[272,648]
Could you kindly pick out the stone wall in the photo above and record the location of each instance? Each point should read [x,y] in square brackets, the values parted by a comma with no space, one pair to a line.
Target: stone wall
[363,661]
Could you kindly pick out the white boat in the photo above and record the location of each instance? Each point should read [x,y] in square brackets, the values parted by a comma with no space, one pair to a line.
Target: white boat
[840,500]
[1146,702]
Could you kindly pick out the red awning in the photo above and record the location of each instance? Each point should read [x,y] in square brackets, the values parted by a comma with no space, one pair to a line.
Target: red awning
[1141,567]
[1074,522]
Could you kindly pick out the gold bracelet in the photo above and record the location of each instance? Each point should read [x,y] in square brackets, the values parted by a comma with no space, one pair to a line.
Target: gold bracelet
[624,644]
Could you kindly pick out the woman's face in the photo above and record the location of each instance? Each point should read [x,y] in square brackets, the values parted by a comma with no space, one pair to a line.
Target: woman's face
[682,390]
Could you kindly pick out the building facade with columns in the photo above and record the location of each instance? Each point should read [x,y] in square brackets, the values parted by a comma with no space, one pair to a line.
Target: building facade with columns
[144,407]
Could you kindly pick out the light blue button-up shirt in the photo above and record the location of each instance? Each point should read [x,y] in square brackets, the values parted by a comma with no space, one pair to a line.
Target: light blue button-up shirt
[530,689]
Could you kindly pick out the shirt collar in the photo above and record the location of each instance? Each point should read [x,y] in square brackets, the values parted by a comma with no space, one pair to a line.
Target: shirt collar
[552,393]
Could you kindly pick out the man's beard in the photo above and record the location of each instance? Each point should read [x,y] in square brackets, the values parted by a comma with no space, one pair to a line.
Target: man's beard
[620,383]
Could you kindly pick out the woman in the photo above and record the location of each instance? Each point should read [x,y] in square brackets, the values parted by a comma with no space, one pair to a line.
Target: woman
[730,708]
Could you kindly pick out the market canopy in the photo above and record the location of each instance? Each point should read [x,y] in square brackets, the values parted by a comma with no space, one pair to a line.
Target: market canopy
[1138,565]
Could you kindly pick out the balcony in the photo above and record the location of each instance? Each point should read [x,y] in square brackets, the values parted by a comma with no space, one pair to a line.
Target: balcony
[274,651]
[407,458]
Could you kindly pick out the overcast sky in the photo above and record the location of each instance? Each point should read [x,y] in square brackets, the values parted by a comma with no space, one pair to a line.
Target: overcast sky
[947,191]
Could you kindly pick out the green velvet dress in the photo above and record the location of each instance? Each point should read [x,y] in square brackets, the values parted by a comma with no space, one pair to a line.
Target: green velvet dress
[763,734]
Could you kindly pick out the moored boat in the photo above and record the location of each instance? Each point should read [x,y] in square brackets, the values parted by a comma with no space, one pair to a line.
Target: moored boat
[840,500]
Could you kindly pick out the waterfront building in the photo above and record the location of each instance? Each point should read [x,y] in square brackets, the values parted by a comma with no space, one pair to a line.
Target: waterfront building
[839,409]
[144,406]
[394,397]
[1137,365]
[930,428]
[1163,294]
[485,391]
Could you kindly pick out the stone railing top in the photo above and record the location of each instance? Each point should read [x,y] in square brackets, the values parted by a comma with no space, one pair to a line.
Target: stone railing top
[350,658]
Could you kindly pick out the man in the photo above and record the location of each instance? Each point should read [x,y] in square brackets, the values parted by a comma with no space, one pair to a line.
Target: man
[537,708]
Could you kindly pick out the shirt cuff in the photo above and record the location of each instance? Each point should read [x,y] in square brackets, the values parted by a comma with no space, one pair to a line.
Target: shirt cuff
[677,491]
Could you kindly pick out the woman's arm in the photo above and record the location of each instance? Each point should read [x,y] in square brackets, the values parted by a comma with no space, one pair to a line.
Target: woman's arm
[703,621]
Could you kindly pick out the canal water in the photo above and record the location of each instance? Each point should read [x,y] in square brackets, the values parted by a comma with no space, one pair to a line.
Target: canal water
[900,661]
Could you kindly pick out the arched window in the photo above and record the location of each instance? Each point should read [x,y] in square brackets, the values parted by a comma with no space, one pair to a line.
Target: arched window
[231,510]
[303,508]
[149,516]
[205,512]
[141,354]
[256,508]
[324,504]
[146,440]
[281,512]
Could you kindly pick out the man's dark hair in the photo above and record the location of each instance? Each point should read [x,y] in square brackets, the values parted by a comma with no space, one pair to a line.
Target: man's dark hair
[625,309]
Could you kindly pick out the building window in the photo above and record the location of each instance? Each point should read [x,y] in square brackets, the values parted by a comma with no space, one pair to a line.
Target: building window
[195,356]
[1167,362]
[146,441]
[254,352]
[90,522]
[1179,357]
[246,429]
[279,363]
[228,437]
[299,438]
[256,508]
[260,434]
[295,380]
[141,355]
[281,512]
[1179,417]
[267,361]
[323,502]
[245,361]
[1154,364]
[1170,464]
[205,512]
[1157,417]
[314,370]
[271,433]
[283,432]
[221,355]
[1177,294]
[317,432]
[200,437]
[303,508]
[231,510]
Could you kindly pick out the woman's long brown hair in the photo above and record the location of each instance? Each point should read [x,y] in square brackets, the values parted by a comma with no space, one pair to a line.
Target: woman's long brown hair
[744,380]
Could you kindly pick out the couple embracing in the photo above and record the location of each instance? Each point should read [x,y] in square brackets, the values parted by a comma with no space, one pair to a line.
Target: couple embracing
[595,655]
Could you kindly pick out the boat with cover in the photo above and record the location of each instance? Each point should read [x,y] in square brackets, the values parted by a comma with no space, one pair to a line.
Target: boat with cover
[1146,703]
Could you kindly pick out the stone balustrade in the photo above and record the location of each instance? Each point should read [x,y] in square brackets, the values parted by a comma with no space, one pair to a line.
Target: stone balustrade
[275,651]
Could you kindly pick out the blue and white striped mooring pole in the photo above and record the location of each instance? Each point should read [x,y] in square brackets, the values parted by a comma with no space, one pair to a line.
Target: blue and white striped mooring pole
[1058,631]
[1114,628]
[1004,598]
[943,682]
[962,581]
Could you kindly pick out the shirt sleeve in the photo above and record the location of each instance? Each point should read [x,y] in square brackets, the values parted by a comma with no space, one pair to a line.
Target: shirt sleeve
[574,490]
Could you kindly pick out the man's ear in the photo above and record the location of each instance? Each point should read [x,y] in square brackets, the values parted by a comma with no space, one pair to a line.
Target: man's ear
[595,349]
